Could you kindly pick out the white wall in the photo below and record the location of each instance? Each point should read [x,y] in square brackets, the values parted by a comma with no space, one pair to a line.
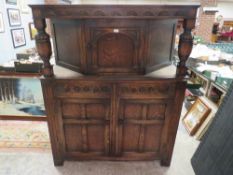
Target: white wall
[7,50]
[226,10]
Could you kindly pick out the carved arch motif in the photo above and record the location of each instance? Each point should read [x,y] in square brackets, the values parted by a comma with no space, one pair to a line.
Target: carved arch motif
[115,50]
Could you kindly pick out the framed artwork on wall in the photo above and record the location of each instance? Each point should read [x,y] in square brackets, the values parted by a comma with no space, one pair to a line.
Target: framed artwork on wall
[14,2]
[32,30]
[2,28]
[14,17]
[23,4]
[66,1]
[18,37]
[22,97]
[195,116]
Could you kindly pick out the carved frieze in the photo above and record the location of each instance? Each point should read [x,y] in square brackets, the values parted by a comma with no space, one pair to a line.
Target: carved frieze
[89,11]
[83,89]
[145,89]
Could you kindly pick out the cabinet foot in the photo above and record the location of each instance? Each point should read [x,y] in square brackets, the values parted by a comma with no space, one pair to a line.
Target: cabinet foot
[165,163]
[58,162]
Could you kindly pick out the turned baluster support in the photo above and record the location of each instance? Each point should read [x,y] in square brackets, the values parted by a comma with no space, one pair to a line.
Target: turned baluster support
[43,46]
[185,46]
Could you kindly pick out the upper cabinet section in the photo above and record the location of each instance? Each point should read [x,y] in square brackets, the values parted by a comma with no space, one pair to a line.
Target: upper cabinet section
[112,39]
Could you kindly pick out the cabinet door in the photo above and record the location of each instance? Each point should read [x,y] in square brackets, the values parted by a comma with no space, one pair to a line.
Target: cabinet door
[85,126]
[142,120]
[114,47]
[140,125]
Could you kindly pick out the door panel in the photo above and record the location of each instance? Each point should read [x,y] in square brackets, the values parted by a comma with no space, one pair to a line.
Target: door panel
[86,126]
[73,142]
[152,144]
[140,124]
[96,138]
[130,138]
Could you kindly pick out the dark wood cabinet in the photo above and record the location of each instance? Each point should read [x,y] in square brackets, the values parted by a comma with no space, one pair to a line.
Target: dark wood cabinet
[111,120]
[112,110]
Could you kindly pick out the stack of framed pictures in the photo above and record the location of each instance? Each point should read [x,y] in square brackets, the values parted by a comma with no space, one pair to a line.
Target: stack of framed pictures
[18,36]
[14,18]
[195,116]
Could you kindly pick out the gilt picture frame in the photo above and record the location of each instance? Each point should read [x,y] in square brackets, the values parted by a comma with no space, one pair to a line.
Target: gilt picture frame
[32,30]
[195,116]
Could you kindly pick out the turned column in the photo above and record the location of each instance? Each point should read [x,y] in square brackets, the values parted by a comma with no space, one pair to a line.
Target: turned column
[184,50]
[43,46]
[185,46]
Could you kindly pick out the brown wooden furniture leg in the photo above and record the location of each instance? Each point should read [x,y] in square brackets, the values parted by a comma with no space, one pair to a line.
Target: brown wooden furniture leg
[173,124]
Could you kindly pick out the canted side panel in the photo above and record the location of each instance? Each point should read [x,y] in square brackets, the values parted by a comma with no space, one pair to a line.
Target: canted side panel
[67,43]
[160,43]
[86,126]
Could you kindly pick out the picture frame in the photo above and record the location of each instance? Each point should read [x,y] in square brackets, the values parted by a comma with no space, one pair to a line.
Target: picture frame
[66,1]
[23,4]
[195,116]
[2,27]
[32,30]
[13,2]
[14,17]
[18,37]
[202,80]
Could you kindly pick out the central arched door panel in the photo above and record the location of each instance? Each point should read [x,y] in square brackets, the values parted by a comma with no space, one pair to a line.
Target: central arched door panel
[114,49]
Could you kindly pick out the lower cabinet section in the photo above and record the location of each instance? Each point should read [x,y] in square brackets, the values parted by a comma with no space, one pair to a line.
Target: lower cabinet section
[116,123]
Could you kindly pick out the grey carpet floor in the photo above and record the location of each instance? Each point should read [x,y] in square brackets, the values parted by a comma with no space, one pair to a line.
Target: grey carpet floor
[41,163]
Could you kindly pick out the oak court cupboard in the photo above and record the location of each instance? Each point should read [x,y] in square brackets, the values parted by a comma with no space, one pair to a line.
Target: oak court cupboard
[112,110]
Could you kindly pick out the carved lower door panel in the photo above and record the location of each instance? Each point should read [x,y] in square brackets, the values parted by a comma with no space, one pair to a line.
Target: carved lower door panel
[140,128]
[85,124]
